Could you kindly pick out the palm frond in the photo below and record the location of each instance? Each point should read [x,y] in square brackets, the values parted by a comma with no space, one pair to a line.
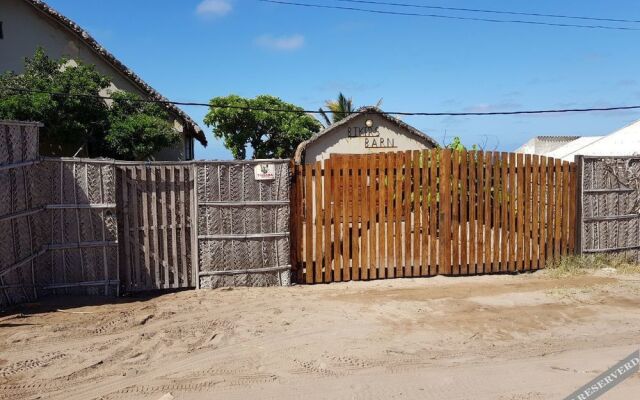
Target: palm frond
[326,121]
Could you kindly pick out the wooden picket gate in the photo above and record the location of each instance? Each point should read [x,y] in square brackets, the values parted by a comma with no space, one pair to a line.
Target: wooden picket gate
[423,213]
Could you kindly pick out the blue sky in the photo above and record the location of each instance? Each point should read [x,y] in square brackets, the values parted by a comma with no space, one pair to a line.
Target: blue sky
[193,50]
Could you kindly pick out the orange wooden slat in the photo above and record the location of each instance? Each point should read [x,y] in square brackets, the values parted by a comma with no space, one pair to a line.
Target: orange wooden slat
[308,222]
[520,214]
[557,239]
[513,206]
[551,199]
[355,216]
[382,214]
[346,218]
[504,210]
[495,204]
[464,214]
[424,213]
[416,207]
[399,184]
[391,212]
[433,211]
[480,191]
[544,193]
[566,210]
[535,215]
[473,201]
[338,229]
[527,210]
[455,212]
[327,199]
[373,212]
[364,217]
[406,206]
[318,209]
[488,172]
[445,212]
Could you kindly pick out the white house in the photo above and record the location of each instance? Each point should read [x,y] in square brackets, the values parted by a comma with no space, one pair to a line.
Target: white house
[28,24]
[623,142]
[368,131]
[541,145]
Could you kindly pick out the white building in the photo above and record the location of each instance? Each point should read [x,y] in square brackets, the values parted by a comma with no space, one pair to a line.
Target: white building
[623,142]
[541,145]
[368,131]
[26,25]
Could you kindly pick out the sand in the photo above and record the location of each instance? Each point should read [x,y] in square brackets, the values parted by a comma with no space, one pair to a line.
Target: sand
[528,336]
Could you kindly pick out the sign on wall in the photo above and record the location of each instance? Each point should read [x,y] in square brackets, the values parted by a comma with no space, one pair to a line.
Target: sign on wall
[371,135]
[264,172]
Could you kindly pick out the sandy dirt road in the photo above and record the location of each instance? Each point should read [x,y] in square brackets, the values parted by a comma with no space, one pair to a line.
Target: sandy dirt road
[488,337]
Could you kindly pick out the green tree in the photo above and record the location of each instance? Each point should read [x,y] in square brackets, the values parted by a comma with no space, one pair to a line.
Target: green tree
[137,129]
[64,95]
[340,108]
[456,144]
[245,123]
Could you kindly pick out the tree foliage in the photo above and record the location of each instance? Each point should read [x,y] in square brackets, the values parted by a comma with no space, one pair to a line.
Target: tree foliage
[456,144]
[63,95]
[267,134]
[136,129]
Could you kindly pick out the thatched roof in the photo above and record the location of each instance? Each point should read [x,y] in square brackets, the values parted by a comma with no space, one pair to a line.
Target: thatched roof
[419,135]
[191,128]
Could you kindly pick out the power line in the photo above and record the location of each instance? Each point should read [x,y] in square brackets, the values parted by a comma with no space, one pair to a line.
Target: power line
[529,14]
[302,111]
[451,17]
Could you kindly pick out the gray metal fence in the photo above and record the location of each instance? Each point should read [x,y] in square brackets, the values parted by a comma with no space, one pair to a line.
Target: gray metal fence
[93,226]
[82,227]
[57,221]
[609,205]
[243,224]
[155,225]
[21,212]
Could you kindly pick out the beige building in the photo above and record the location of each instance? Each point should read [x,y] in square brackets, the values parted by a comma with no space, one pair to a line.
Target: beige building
[366,132]
[28,24]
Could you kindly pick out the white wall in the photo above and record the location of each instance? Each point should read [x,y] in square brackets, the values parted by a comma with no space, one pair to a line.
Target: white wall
[339,141]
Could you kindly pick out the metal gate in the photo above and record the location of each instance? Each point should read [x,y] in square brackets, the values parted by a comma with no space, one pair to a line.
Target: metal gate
[243,223]
[155,225]
[609,205]
[241,237]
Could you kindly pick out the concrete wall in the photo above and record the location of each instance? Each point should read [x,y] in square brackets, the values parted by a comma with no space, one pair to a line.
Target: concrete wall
[542,145]
[355,138]
[25,29]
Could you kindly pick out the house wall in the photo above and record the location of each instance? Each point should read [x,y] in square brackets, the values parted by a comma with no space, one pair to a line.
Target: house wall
[543,145]
[25,29]
[355,138]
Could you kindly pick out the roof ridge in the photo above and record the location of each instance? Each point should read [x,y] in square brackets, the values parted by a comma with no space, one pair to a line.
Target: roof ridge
[414,131]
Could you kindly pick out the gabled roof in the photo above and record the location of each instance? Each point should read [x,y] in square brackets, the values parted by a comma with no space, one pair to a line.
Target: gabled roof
[103,53]
[567,151]
[363,110]
[623,142]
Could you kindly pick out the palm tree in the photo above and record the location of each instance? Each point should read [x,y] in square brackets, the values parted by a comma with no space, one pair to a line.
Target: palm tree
[340,109]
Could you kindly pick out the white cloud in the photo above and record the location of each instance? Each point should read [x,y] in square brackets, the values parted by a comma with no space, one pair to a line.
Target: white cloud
[215,8]
[281,43]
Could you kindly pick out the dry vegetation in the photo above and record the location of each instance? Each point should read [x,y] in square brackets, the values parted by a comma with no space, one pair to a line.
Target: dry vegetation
[582,264]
